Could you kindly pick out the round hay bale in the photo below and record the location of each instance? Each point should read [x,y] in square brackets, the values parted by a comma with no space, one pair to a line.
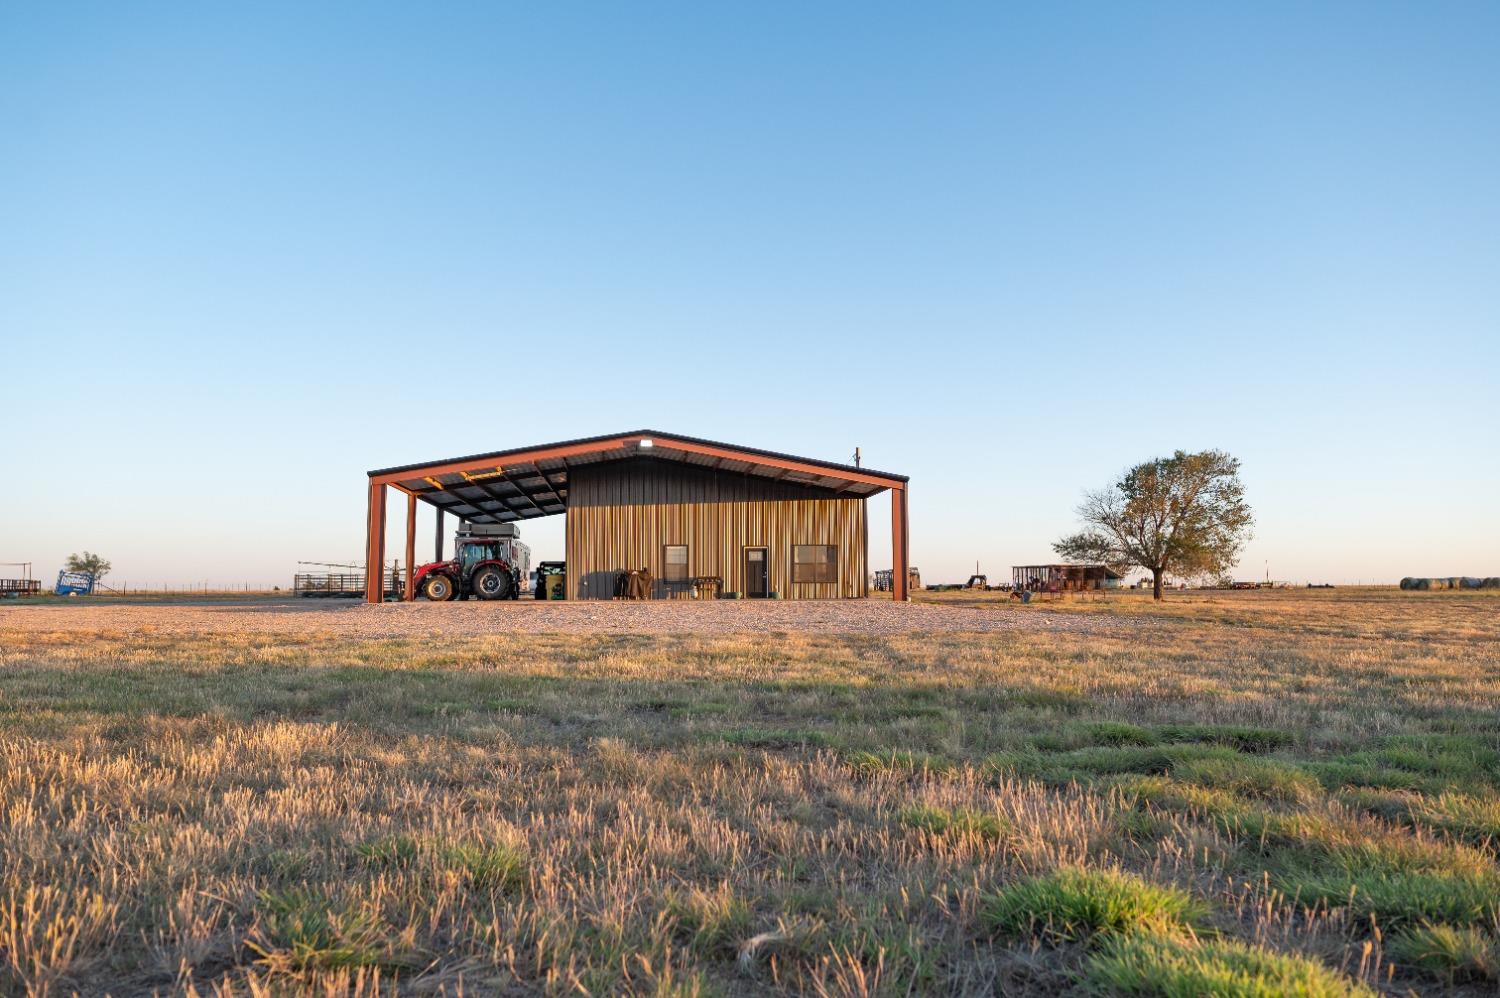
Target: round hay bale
[1426,584]
[1493,582]
[1408,583]
[1468,582]
[1455,582]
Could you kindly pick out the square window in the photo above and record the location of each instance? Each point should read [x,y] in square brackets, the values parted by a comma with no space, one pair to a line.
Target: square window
[815,563]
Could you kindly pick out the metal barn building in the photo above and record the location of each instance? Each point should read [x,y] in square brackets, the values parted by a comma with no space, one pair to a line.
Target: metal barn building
[761,522]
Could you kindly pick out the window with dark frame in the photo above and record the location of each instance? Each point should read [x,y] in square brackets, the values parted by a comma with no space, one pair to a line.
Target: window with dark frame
[815,563]
[675,563]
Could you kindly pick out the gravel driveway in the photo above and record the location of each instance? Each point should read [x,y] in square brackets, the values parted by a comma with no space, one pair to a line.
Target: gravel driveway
[359,620]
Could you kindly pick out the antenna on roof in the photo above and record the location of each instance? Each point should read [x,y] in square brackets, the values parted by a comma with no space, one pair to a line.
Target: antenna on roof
[856,457]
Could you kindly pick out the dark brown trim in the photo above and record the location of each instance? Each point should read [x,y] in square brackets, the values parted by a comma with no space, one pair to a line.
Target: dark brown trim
[585,445]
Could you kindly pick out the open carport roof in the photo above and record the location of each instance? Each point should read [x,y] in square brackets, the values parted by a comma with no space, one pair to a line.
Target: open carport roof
[528,482]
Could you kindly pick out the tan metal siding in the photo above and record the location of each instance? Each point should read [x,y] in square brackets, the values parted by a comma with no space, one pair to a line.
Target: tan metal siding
[602,541]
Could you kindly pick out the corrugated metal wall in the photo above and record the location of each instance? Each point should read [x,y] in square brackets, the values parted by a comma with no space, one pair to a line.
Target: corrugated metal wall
[621,516]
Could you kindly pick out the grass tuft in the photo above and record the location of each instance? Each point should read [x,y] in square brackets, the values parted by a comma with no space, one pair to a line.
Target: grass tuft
[876,763]
[955,822]
[773,738]
[1149,964]
[489,866]
[1255,741]
[1073,904]
[1445,951]
[391,851]
[713,921]
[305,930]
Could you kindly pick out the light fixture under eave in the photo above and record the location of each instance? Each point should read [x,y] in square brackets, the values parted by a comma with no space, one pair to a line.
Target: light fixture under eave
[646,443]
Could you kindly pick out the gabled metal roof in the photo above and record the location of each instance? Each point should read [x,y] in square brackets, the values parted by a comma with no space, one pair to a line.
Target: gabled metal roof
[528,482]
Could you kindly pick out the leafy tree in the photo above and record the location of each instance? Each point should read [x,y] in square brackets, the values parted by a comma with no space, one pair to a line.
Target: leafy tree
[95,565]
[1184,514]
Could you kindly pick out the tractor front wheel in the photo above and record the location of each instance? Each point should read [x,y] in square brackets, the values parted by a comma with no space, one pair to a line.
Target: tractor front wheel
[438,588]
[492,583]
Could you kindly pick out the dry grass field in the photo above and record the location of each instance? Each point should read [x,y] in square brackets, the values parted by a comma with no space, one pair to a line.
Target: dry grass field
[1236,794]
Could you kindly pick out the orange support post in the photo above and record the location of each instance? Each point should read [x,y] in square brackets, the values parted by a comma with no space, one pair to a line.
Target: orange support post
[899,537]
[411,545]
[375,545]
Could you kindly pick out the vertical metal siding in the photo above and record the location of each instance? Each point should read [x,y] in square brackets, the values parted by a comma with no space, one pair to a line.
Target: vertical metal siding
[622,518]
[603,541]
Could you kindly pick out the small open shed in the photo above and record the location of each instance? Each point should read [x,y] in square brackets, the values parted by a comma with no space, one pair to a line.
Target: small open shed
[1063,578]
[755,522]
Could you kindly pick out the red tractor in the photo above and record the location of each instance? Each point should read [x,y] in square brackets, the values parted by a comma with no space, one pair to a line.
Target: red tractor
[490,562]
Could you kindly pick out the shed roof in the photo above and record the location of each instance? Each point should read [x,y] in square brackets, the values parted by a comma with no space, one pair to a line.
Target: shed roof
[528,482]
[1109,573]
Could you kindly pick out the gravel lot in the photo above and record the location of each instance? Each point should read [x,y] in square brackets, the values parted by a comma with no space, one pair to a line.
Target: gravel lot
[359,620]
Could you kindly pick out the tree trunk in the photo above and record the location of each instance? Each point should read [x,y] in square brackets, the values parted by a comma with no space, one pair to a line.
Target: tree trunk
[1156,575]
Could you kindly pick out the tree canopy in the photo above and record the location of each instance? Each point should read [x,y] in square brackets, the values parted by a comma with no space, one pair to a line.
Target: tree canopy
[96,565]
[1184,514]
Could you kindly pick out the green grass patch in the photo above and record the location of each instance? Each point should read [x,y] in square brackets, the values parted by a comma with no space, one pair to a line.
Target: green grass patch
[1073,904]
[1452,953]
[1250,777]
[955,822]
[305,930]
[1255,741]
[391,851]
[773,738]
[1150,964]
[1470,819]
[1209,765]
[1399,897]
[896,761]
[714,922]
[489,866]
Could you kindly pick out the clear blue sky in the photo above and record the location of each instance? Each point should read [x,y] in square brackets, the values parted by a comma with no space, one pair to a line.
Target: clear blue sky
[248,252]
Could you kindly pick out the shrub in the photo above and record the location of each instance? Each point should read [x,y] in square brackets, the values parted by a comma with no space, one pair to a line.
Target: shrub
[1072,904]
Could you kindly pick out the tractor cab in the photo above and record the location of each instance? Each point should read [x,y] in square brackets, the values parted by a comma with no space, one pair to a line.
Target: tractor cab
[473,550]
[489,562]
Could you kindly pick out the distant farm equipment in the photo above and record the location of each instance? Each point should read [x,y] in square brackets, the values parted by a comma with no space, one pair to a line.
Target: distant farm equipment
[23,586]
[884,577]
[340,585]
[74,583]
[551,580]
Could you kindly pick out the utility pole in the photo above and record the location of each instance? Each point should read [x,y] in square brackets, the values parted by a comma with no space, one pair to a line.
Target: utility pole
[856,457]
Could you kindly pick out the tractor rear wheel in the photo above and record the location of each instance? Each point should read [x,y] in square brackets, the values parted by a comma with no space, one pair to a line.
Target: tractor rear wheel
[438,588]
[491,582]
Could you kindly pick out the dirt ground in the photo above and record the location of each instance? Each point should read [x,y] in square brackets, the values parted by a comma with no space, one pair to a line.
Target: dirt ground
[354,619]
